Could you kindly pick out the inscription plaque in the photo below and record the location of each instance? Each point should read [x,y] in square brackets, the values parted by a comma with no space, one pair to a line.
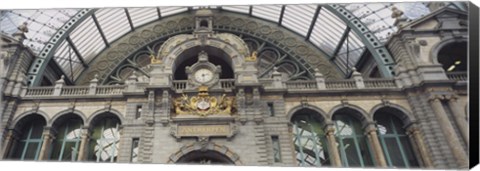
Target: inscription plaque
[203,130]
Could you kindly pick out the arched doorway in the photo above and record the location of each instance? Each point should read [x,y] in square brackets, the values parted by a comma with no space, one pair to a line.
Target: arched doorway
[205,153]
[205,157]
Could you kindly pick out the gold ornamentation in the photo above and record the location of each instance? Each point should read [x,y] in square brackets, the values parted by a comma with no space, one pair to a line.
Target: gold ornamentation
[154,60]
[204,105]
[252,58]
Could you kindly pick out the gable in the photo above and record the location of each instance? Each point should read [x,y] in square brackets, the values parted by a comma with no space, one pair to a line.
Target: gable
[445,18]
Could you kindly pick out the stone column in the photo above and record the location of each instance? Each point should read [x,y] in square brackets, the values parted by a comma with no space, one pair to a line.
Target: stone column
[459,116]
[9,141]
[332,146]
[413,133]
[47,139]
[83,144]
[449,133]
[371,132]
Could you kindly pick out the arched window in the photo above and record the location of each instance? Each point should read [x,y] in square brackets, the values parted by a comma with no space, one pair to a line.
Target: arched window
[67,143]
[31,138]
[395,143]
[309,140]
[204,23]
[453,57]
[105,139]
[352,143]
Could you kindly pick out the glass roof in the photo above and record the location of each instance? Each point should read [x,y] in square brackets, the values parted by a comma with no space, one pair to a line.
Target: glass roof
[42,24]
[318,25]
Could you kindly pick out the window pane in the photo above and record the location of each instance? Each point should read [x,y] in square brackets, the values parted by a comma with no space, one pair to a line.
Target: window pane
[17,154]
[398,154]
[37,131]
[70,152]
[351,153]
[395,154]
[31,152]
[105,141]
[348,130]
[365,151]
[310,141]
[276,149]
[134,155]
[57,148]
[412,161]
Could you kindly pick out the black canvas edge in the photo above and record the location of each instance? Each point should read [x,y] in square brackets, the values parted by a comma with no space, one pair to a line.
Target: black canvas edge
[473,84]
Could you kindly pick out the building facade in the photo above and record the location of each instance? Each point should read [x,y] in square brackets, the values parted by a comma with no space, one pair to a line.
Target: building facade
[214,85]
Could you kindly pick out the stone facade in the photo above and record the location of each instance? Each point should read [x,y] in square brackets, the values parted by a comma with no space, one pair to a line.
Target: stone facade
[265,106]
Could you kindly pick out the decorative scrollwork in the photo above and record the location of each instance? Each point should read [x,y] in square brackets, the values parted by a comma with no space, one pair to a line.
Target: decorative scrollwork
[252,58]
[204,105]
[154,60]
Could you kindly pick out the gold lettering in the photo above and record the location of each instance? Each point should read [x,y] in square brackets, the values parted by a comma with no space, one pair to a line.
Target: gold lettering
[212,130]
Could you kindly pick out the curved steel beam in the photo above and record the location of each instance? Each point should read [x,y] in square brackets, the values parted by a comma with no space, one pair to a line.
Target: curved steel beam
[37,68]
[381,55]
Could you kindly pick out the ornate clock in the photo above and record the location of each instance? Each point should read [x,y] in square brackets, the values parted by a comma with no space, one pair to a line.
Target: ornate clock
[203,73]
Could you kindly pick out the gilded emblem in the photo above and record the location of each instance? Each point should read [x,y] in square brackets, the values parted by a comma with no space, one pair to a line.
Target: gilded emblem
[204,105]
[252,58]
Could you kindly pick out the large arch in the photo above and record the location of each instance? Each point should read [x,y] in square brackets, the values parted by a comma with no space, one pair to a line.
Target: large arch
[354,147]
[322,114]
[60,114]
[457,48]
[183,45]
[205,147]
[397,110]
[26,114]
[376,48]
[441,44]
[28,137]
[100,112]
[309,124]
[358,113]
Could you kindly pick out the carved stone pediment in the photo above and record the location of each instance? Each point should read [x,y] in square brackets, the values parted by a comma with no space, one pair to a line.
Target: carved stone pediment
[436,20]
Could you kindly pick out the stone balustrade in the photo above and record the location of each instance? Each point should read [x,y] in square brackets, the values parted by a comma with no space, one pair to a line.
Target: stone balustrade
[74,91]
[340,84]
[180,84]
[380,83]
[110,90]
[39,91]
[67,91]
[227,83]
[457,76]
[300,85]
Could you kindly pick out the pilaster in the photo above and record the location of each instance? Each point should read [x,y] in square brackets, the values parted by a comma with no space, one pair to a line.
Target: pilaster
[459,116]
[415,136]
[448,131]
[84,144]
[371,132]
[332,146]
[48,137]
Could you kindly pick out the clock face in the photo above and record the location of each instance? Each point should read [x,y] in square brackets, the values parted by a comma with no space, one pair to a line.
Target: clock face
[203,75]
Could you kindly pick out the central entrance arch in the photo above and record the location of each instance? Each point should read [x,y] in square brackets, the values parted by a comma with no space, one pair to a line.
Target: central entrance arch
[205,157]
[205,153]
